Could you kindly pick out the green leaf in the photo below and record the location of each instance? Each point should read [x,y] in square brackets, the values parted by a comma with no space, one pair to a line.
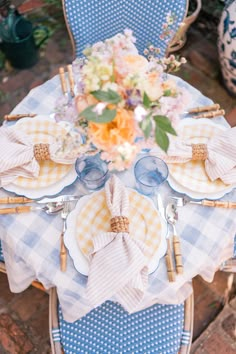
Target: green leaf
[165,124]
[88,113]
[109,96]
[161,138]
[167,93]
[146,101]
[146,126]
[107,115]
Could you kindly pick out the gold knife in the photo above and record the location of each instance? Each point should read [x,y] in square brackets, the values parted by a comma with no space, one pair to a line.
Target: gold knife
[11,117]
[15,200]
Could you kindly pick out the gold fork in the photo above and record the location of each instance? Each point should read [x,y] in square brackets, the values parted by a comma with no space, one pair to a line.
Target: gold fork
[68,93]
[63,252]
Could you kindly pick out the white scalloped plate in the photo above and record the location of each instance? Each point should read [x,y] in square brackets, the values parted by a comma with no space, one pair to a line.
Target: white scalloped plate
[80,260]
[66,178]
[182,187]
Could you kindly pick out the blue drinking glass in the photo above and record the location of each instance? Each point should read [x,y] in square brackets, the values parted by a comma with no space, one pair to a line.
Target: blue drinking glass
[150,172]
[92,172]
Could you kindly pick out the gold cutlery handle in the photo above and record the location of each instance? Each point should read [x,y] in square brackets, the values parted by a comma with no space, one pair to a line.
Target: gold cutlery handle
[63,254]
[212,107]
[219,204]
[212,114]
[169,263]
[11,117]
[16,210]
[178,255]
[63,80]
[71,80]
[14,200]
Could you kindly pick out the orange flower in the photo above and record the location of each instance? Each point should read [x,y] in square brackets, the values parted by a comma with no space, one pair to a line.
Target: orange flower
[121,129]
[84,101]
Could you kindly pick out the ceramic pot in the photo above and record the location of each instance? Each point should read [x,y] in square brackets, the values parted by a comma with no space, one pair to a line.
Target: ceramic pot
[227,46]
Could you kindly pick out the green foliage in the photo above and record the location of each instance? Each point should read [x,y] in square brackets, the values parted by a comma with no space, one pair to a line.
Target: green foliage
[146,101]
[109,96]
[56,3]
[146,126]
[163,126]
[107,115]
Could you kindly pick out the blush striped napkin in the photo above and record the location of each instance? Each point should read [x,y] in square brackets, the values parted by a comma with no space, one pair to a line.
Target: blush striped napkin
[118,266]
[17,156]
[220,155]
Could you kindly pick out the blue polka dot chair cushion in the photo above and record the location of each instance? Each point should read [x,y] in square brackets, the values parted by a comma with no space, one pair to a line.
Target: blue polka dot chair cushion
[90,21]
[109,329]
[1,253]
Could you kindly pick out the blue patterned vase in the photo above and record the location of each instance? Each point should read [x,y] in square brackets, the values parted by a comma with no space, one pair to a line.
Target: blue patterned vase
[227,45]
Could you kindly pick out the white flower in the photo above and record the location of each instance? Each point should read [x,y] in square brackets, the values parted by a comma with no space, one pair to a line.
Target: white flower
[99,108]
[126,150]
[110,86]
[140,113]
[153,89]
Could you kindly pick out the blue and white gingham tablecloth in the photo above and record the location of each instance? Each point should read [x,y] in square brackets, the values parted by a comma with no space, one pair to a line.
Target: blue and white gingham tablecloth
[31,241]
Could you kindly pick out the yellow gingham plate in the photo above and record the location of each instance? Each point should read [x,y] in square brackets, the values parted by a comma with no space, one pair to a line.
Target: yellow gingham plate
[92,216]
[192,174]
[42,131]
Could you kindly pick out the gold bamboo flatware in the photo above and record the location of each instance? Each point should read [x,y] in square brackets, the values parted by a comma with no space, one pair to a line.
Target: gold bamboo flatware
[169,261]
[212,114]
[15,200]
[63,79]
[71,80]
[181,201]
[23,200]
[213,107]
[13,117]
[172,217]
[63,252]
[209,111]
[60,199]
[168,256]
[49,209]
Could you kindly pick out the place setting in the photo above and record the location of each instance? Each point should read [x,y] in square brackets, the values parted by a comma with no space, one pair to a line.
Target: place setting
[201,159]
[30,164]
[91,216]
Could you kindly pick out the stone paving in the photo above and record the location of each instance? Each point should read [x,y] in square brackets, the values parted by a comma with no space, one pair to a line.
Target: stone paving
[24,316]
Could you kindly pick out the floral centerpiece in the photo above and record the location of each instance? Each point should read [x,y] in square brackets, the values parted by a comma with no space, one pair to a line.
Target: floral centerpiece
[124,101]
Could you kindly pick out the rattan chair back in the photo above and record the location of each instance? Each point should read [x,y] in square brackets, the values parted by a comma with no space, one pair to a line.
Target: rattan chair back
[74,337]
[153,22]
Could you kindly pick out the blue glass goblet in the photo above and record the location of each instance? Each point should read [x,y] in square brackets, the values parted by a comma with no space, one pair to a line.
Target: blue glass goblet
[92,172]
[150,172]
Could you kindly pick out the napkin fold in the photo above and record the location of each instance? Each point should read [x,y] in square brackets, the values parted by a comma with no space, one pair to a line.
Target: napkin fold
[18,155]
[219,154]
[118,266]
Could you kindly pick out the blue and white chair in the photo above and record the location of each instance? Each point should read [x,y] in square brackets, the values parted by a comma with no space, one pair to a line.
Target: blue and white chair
[2,263]
[108,329]
[230,264]
[90,21]
[1,253]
